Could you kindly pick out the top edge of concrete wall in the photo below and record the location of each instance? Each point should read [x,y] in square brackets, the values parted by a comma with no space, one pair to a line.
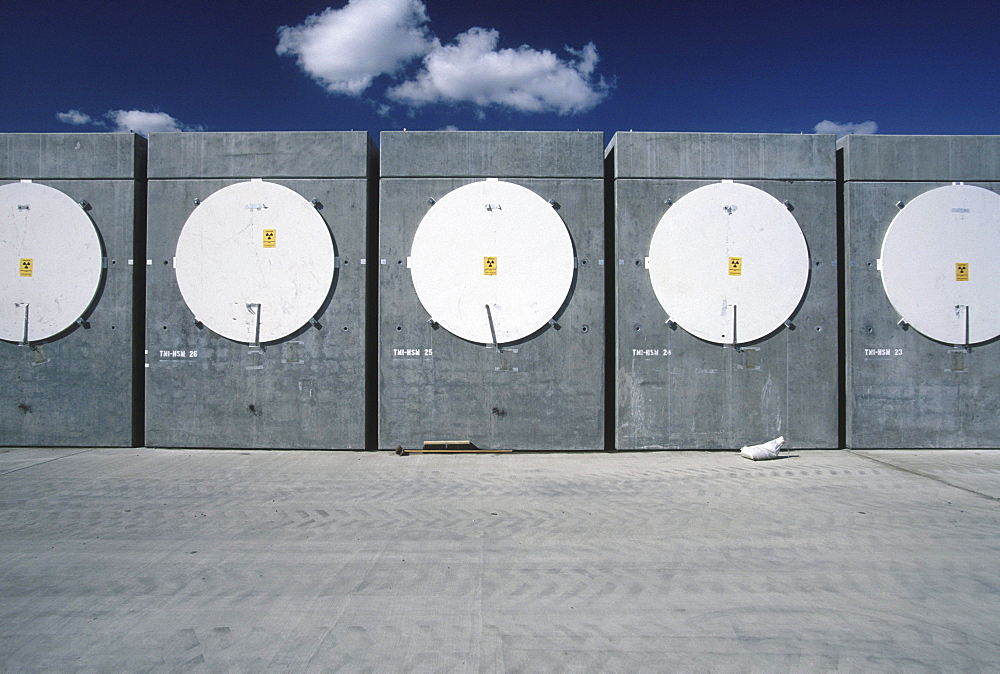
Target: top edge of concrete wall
[492,154]
[262,154]
[751,156]
[103,156]
[920,158]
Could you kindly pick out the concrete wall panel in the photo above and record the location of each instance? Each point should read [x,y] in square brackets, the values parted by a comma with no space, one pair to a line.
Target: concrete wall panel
[731,156]
[306,391]
[921,158]
[271,154]
[482,154]
[78,388]
[903,389]
[72,155]
[677,391]
[545,392]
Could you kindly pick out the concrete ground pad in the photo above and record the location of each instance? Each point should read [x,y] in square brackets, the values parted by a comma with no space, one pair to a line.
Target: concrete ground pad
[142,559]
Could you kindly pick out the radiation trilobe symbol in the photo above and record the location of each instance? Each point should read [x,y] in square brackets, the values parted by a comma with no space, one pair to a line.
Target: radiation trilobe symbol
[961,271]
[26,266]
[735,266]
[489,266]
[270,238]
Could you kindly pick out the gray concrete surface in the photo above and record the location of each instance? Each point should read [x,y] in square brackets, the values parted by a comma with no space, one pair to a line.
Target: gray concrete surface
[167,560]
[543,392]
[926,394]
[82,387]
[87,156]
[306,391]
[675,390]
[920,158]
[263,154]
[722,156]
[490,154]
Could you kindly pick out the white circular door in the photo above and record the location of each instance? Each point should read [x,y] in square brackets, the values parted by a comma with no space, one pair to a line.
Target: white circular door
[938,265]
[492,262]
[255,262]
[50,262]
[728,263]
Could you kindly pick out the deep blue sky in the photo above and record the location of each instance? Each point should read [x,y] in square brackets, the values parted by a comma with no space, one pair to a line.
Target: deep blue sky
[910,67]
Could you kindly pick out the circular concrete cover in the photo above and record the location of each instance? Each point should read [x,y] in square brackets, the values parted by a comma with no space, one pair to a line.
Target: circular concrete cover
[939,264]
[492,258]
[50,262]
[728,263]
[255,262]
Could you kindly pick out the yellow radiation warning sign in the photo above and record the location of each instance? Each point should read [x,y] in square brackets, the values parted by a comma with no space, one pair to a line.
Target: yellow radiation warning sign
[270,238]
[489,266]
[27,264]
[961,271]
[736,266]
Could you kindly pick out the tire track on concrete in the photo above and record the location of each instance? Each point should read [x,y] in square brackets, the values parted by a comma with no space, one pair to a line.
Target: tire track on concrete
[42,463]
[925,475]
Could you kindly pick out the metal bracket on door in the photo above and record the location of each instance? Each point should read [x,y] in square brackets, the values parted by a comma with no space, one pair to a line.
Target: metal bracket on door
[736,345]
[968,347]
[24,340]
[254,308]
[493,331]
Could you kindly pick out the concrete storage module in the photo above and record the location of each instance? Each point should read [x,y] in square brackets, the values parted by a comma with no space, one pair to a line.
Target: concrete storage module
[257,288]
[922,229]
[725,289]
[491,280]
[68,221]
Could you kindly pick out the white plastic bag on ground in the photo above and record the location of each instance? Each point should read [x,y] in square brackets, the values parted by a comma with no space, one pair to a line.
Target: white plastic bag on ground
[769,450]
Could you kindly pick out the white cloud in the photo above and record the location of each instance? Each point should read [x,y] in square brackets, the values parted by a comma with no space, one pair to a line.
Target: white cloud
[473,70]
[145,123]
[346,49]
[76,118]
[843,129]
[140,121]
